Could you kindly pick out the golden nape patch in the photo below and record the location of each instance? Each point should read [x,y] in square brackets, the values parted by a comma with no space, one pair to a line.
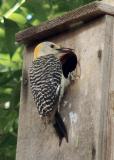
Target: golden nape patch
[37,51]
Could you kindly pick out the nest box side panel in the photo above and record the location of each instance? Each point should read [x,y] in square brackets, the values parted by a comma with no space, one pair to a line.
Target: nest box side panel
[81,107]
[110,154]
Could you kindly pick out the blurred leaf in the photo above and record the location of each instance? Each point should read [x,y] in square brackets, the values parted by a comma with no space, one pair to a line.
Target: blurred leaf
[18,18]
[0,2]
[7,146]
[8,140]
[11,28]
[15,96]
[9,76]
[36,8]
[5,78]
[2,32]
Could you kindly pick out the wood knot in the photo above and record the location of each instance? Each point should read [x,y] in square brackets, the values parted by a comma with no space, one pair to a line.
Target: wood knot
[93,152]
[25,78]
[100,54]
[25,81]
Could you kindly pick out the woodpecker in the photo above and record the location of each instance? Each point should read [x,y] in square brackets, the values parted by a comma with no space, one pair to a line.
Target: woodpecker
[51,72]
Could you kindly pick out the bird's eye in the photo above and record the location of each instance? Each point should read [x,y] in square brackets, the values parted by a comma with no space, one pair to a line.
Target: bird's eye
[52,45]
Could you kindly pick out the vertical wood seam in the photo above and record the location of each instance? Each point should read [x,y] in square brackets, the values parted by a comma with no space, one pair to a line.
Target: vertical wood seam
[103,147]
[108,149]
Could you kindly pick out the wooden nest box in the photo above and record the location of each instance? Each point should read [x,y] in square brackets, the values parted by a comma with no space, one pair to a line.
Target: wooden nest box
[88,105]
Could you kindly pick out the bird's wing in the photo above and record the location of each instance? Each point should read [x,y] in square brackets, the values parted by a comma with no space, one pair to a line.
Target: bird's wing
[45,80]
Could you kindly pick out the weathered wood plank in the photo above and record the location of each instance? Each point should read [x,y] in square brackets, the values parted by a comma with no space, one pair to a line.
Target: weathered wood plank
[104,132]
[111,104]
[111,124]
[82,101]
[65,22]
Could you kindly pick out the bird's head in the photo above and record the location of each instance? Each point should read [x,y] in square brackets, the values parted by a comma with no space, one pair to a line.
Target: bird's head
[46,48]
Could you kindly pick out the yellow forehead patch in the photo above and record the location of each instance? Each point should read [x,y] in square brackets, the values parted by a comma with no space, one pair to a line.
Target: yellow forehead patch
[37,51]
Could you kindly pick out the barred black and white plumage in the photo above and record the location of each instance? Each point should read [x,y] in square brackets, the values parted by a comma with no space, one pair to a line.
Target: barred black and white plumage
[50,74]
[45,80]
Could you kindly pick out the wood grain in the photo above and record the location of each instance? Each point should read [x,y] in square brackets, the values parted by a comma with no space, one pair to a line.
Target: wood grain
[104,132]
[111,104]
[83,99]
[63,23]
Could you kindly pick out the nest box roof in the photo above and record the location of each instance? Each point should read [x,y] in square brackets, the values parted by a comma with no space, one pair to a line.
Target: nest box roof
[60,24]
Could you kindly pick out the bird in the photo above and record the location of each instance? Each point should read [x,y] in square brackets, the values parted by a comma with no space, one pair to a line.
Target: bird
[51,72]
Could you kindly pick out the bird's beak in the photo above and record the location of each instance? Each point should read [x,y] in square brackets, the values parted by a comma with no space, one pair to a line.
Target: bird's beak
[65,50]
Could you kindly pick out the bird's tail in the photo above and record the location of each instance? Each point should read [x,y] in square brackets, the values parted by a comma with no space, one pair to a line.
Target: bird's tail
[60,128]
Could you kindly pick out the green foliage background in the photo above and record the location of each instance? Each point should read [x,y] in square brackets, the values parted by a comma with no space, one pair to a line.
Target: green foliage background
[16,15]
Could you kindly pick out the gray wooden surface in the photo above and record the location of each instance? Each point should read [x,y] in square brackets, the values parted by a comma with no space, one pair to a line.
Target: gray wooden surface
[104,133]
[85,105]
[110,154]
